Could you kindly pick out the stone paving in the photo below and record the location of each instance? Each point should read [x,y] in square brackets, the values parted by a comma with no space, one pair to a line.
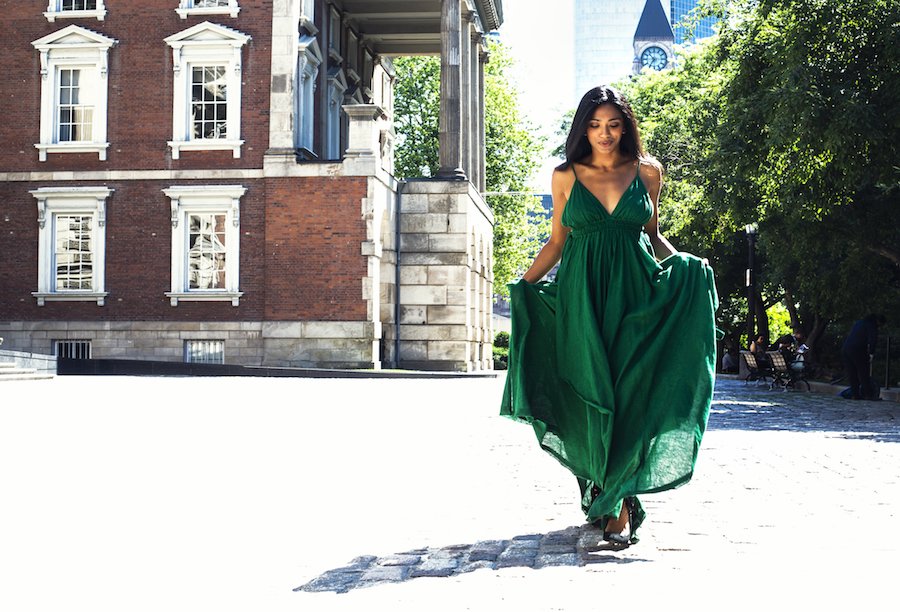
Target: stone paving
[347,495]
[772,484]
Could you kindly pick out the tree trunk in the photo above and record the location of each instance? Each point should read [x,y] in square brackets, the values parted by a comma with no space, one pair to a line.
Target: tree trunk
[791,306]
[818,328]
[762,319]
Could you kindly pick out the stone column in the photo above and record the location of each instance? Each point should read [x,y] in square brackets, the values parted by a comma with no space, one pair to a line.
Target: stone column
[285,15]
[450,155]
[482,169]
[466,97]
[476,151]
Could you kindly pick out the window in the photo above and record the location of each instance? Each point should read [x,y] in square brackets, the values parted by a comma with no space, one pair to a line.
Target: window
[57,9]
[204,351]
[368,72]
[73,257]
[206,106]
[207,7]
[334,37]
[73,92]
[206,251]
[205,242]
[337,85]
[72,349]
[352,49]
[75,105]
[309,59]
[71,243]
[209,102]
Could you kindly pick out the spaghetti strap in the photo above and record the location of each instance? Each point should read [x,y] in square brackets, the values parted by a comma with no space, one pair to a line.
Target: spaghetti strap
[575,174]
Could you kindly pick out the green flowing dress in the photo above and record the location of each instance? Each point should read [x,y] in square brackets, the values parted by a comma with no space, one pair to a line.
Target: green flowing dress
[613,362]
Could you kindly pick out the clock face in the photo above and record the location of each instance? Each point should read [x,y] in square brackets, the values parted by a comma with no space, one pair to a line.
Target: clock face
[654,57]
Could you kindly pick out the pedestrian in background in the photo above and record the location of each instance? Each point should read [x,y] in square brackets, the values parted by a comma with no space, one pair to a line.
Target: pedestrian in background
[612,363]
[857,354]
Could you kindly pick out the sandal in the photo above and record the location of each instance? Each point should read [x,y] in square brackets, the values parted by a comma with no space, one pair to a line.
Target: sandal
[627,536]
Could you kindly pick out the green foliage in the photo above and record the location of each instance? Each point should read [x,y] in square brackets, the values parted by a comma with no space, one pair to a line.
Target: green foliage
[501,339]
[787,119]
[501,350]
[417,95]
[562,132]
[512,153]
[779,321]
[501,358]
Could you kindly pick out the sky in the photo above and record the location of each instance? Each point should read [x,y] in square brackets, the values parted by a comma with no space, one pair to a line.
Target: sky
[539,36]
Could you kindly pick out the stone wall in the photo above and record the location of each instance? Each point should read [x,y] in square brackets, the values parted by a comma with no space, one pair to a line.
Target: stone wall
[445,277]
[324,344]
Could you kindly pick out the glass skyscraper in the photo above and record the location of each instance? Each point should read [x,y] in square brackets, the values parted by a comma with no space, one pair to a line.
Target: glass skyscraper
[679,11]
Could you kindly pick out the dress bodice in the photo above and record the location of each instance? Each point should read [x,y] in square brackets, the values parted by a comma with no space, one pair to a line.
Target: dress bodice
[585,213]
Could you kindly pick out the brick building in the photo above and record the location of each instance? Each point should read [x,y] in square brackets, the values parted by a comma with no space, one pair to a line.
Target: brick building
[212,180]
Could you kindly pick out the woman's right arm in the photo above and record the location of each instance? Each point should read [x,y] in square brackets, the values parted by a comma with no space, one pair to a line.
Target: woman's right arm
[561,187]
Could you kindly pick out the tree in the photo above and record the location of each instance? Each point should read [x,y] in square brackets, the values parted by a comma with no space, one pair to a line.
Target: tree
[809,137]
[417,100]
[512,153]
[786,119]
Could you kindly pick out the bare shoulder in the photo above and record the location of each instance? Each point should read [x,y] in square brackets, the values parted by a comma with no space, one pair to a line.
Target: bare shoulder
[562,181]
[651,173]
[563,178]
[651,168]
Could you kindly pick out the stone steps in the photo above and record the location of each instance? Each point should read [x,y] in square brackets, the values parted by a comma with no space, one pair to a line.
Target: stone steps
[9,371]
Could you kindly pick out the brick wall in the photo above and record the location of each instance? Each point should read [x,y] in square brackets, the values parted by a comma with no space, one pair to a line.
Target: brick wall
[140,86]
[138,256]
[314,232]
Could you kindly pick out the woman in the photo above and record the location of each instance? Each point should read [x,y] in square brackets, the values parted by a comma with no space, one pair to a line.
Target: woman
[758,348]
[612,363]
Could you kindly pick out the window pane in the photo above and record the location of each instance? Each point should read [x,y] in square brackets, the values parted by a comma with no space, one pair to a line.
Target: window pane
[75,113]
[79,5]
[208,102]
[206,253]
[73,258]
[204,351]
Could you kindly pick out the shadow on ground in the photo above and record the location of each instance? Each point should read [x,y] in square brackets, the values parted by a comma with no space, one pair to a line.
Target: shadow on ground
[573,546]
[754,407]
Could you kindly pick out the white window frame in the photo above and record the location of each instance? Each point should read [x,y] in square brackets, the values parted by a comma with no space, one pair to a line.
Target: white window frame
[73,47]
[309,58]
[337,85]
[53,201]
[221,199]
[187,8]
[55,11]
[205,44]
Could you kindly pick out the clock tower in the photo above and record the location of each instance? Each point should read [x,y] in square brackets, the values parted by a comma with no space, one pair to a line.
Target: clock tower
[654,40]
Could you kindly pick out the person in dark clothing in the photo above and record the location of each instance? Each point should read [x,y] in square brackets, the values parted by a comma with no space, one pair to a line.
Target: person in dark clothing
[857,353]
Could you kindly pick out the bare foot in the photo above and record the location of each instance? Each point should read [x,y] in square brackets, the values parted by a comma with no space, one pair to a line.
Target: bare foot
[618,525]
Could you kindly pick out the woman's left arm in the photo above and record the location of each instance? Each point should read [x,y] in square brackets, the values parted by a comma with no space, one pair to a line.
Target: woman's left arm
[651,175]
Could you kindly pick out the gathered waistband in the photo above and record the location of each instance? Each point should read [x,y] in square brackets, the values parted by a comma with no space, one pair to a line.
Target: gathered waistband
[607,225]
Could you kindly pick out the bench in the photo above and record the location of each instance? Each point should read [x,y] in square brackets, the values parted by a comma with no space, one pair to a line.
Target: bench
[784,375]
[756,371]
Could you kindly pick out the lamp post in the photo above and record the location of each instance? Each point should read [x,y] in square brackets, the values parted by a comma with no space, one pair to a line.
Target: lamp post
[751,281]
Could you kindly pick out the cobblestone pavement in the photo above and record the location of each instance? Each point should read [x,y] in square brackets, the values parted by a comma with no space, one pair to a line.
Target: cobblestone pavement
[323,494]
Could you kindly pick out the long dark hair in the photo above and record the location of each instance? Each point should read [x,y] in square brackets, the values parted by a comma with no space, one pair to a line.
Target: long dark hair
[577,145]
